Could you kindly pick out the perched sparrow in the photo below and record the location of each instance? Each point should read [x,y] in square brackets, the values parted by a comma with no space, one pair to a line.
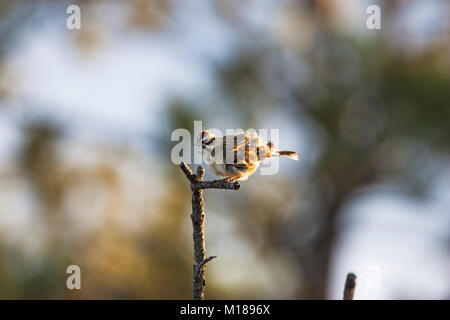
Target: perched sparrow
[237,157]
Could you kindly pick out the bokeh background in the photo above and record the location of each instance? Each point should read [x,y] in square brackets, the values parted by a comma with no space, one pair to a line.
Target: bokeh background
[86,176]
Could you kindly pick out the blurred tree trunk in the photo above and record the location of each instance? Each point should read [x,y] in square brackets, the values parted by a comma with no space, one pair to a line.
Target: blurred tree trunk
[317,261]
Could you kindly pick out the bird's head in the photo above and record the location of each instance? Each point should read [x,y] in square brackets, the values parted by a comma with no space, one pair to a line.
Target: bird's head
[206,139]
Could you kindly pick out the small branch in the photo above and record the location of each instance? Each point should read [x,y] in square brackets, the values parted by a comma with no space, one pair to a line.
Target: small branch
[205,261]
[198,223]
[189,174]
[350,284]
[217,184]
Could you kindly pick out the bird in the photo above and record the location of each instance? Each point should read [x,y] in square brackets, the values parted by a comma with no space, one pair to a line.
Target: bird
[237,157]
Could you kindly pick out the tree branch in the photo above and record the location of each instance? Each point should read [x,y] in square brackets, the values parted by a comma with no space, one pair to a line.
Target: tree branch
[198,223]
[189,174]
[217,184]
[350,284]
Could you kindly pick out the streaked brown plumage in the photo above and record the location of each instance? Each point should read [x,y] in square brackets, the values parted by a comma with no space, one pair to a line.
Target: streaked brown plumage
[237,157]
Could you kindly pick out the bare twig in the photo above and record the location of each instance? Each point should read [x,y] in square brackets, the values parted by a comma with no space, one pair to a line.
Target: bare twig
[198,223]
[197,269]
[217,184]
[350,284]
[189,174]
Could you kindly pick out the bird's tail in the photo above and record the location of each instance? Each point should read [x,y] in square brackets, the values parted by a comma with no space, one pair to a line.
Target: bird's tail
[290,154]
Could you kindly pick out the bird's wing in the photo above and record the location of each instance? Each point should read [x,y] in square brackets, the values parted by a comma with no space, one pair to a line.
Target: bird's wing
[240,150]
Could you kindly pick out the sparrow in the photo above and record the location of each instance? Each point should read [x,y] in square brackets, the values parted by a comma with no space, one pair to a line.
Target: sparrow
[236,157]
